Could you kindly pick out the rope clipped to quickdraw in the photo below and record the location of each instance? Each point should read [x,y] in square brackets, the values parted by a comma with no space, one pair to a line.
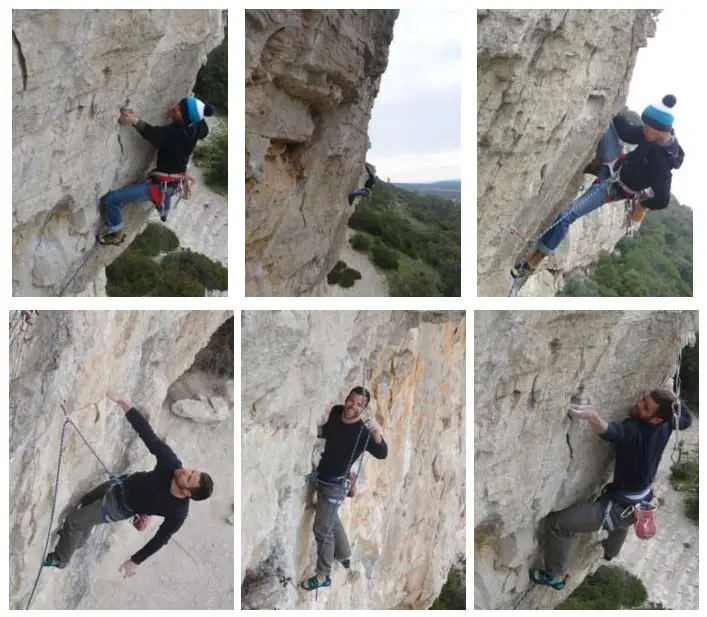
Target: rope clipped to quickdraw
[676,454]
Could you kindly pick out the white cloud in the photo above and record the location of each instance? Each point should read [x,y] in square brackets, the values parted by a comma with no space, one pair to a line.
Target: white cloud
[415,126]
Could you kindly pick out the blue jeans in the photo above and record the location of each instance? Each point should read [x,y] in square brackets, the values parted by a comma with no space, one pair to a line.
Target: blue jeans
[115,200]
[592,199]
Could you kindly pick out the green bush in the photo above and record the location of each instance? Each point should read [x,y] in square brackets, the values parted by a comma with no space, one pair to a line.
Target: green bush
[609,588]
[453,594]
[685,477]
[210,273]
[384,257]
[212,154]
[132,275]
[212,80]
[185,273]
[343,276]
[154,240]
[418,281]
[423,228]
[360,242]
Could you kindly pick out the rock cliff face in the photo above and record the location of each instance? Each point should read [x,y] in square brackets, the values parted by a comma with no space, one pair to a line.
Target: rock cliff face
[548,83]
[529,457]
[77,357]
[407,524]
[312,77]
[72,72]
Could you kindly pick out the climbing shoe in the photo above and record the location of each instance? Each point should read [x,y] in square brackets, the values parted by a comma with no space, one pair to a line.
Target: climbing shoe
[351,200]
[53,561]
[116,237]
[345,562]
[520,270]
[310,584]
[541,577]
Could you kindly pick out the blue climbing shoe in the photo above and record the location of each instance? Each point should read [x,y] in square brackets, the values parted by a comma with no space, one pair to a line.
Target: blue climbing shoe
[310,584]
[542,577]
[521,270]
[52,560]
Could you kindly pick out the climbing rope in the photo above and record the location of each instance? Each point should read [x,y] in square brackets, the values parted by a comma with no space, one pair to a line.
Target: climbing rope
[676,454]
[81,266]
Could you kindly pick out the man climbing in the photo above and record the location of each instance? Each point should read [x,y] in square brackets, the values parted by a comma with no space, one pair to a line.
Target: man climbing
[367,188]
[347,437]
[165,491]
[175,143]
[645,170]
[639,444]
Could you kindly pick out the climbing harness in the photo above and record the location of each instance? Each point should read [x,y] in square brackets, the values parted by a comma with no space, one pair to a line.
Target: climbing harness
[159,183]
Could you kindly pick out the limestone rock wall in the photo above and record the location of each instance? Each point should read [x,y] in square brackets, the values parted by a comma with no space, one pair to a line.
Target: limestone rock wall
[72,72]
[77,357]
[407,525]
[530,458]
[548,83]
[312,77]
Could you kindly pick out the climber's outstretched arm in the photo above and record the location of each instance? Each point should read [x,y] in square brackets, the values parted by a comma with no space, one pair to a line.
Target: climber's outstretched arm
[596,422]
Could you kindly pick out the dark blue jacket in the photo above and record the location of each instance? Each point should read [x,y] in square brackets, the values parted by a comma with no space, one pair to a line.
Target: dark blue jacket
[650,164]
[639,448]
[149,492]
[174,142]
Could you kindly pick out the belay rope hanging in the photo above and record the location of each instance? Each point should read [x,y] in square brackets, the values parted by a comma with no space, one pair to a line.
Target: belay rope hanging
[345,486]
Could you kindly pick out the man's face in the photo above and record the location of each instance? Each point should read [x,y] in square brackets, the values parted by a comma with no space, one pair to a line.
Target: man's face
[175,113]
[187,479]
[353,407]
[645,409]
[652,134]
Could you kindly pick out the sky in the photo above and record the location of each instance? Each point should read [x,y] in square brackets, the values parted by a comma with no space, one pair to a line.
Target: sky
[670,64]
[415,127]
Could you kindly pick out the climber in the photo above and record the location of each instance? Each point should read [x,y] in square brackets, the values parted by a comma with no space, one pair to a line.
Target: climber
[367,188]
[346,435]
[175,143]
[165,491]
[639,444]
[645,170]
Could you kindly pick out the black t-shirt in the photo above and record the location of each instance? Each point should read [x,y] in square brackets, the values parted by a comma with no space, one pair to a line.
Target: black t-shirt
[149,492]
[341,439]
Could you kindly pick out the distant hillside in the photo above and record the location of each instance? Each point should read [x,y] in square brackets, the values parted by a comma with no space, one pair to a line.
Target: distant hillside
[414,239]
[448,189]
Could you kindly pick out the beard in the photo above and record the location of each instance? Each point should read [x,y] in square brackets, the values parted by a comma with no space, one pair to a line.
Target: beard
[350,413]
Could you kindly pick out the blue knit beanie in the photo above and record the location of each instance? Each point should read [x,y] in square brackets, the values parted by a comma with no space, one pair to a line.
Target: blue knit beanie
[660,116]
[193,110]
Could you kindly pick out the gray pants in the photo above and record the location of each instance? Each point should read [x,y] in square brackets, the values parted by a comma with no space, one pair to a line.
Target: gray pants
[561,526]
[329,533]
[97,507]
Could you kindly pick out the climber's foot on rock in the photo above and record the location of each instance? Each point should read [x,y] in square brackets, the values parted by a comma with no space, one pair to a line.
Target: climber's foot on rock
[114,237]
[52,560]
[345,562]
[521,270]
[312,583]
[542,577]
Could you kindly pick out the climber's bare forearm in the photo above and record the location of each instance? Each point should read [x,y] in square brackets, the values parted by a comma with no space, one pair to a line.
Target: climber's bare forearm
[122,401]
[597,423]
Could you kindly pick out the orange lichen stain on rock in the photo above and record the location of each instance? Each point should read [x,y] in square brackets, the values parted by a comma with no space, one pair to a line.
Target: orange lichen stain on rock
[443,388]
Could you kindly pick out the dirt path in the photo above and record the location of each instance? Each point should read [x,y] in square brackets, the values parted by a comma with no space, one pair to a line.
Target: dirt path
[668,564]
